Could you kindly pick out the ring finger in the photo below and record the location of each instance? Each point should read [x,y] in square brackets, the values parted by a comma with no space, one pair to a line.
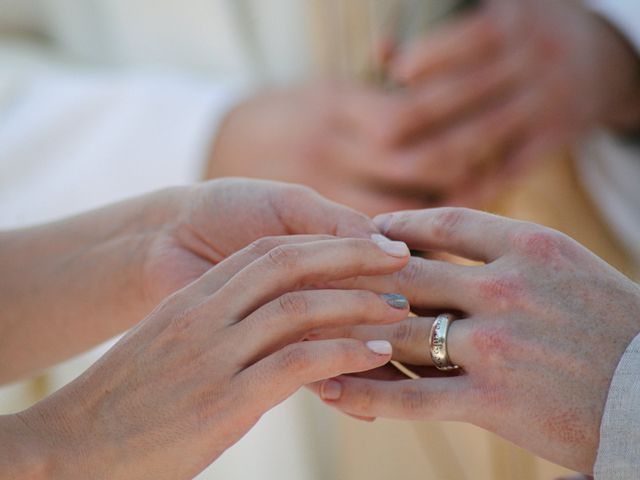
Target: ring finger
[410,339]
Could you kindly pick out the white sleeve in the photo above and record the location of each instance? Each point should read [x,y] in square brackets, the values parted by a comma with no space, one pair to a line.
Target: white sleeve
[624,14]
[609,166]
[618,452]
[73,139]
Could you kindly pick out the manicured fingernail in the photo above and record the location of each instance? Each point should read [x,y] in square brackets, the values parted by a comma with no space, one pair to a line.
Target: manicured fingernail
[331,390]
[383,222]
[396,300]
[395,249]
[381,347]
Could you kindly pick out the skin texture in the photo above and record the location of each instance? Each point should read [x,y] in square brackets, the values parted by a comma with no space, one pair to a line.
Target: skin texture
[479,99]
[198,372]
[542,326]
[69,285]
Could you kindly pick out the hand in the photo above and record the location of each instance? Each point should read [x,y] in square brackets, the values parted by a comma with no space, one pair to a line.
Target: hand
[543,324]
[206,223]
[80,281]
[195,375]
[324,136]
[497,88]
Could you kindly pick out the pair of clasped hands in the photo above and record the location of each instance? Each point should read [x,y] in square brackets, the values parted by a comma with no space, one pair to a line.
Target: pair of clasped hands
[253,289]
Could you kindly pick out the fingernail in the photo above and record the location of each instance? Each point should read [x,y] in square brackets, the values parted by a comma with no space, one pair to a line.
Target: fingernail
[381,347]
[396,300]
[395,249]
[331,390]
[383,222]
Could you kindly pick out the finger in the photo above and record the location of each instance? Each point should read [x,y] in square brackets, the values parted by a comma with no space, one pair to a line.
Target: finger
[467,233]
[469,40]
[292,316]
[276,377]
[422,399]
[410,339]
[295,267]
[230,266]
[300,210]
[444,101]
[460,159]
[387,372]
[377,178]
[429,285]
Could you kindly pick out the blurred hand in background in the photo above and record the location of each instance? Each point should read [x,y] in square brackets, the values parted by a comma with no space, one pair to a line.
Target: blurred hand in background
[477,99]
[503,85]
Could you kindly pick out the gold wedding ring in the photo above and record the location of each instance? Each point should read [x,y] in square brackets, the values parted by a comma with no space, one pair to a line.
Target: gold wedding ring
[438,343]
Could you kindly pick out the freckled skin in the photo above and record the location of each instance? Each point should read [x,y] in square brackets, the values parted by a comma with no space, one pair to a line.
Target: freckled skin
[543,326]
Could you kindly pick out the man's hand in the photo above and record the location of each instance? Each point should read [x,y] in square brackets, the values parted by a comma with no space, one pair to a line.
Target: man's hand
[502,85]
[326,136]
[542,326]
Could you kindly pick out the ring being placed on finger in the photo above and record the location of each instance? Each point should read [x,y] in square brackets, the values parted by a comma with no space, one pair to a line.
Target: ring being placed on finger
[438,343]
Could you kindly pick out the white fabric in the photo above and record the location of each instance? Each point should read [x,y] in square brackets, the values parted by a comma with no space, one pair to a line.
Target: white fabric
[609,166]
[619,452]
[624,14]
[610,170]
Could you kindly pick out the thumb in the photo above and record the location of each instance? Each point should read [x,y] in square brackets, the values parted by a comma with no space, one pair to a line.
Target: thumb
[304,211]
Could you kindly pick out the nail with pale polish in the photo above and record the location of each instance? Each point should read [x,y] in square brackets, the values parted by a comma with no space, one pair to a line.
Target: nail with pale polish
[380,347]
[395,300]
[331,390]
[395,249]
[383,222]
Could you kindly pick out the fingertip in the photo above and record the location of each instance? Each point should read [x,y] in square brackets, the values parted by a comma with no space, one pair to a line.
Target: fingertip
[394,248]
[380,347]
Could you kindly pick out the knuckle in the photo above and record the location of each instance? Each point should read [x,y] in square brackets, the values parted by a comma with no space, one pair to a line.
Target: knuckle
[446,223]
[295,304]
[364,397]
[504,287]
[493,344]
[412,274]
[284,256]
[264,245]
[538,242]
[413,401]
[403,333]
[295,358]
[183,320]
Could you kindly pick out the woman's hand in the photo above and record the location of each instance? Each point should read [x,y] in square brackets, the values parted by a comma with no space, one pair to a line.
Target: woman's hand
[204,224]
[195,375]
[80,281]
[506,83]
[543,324]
